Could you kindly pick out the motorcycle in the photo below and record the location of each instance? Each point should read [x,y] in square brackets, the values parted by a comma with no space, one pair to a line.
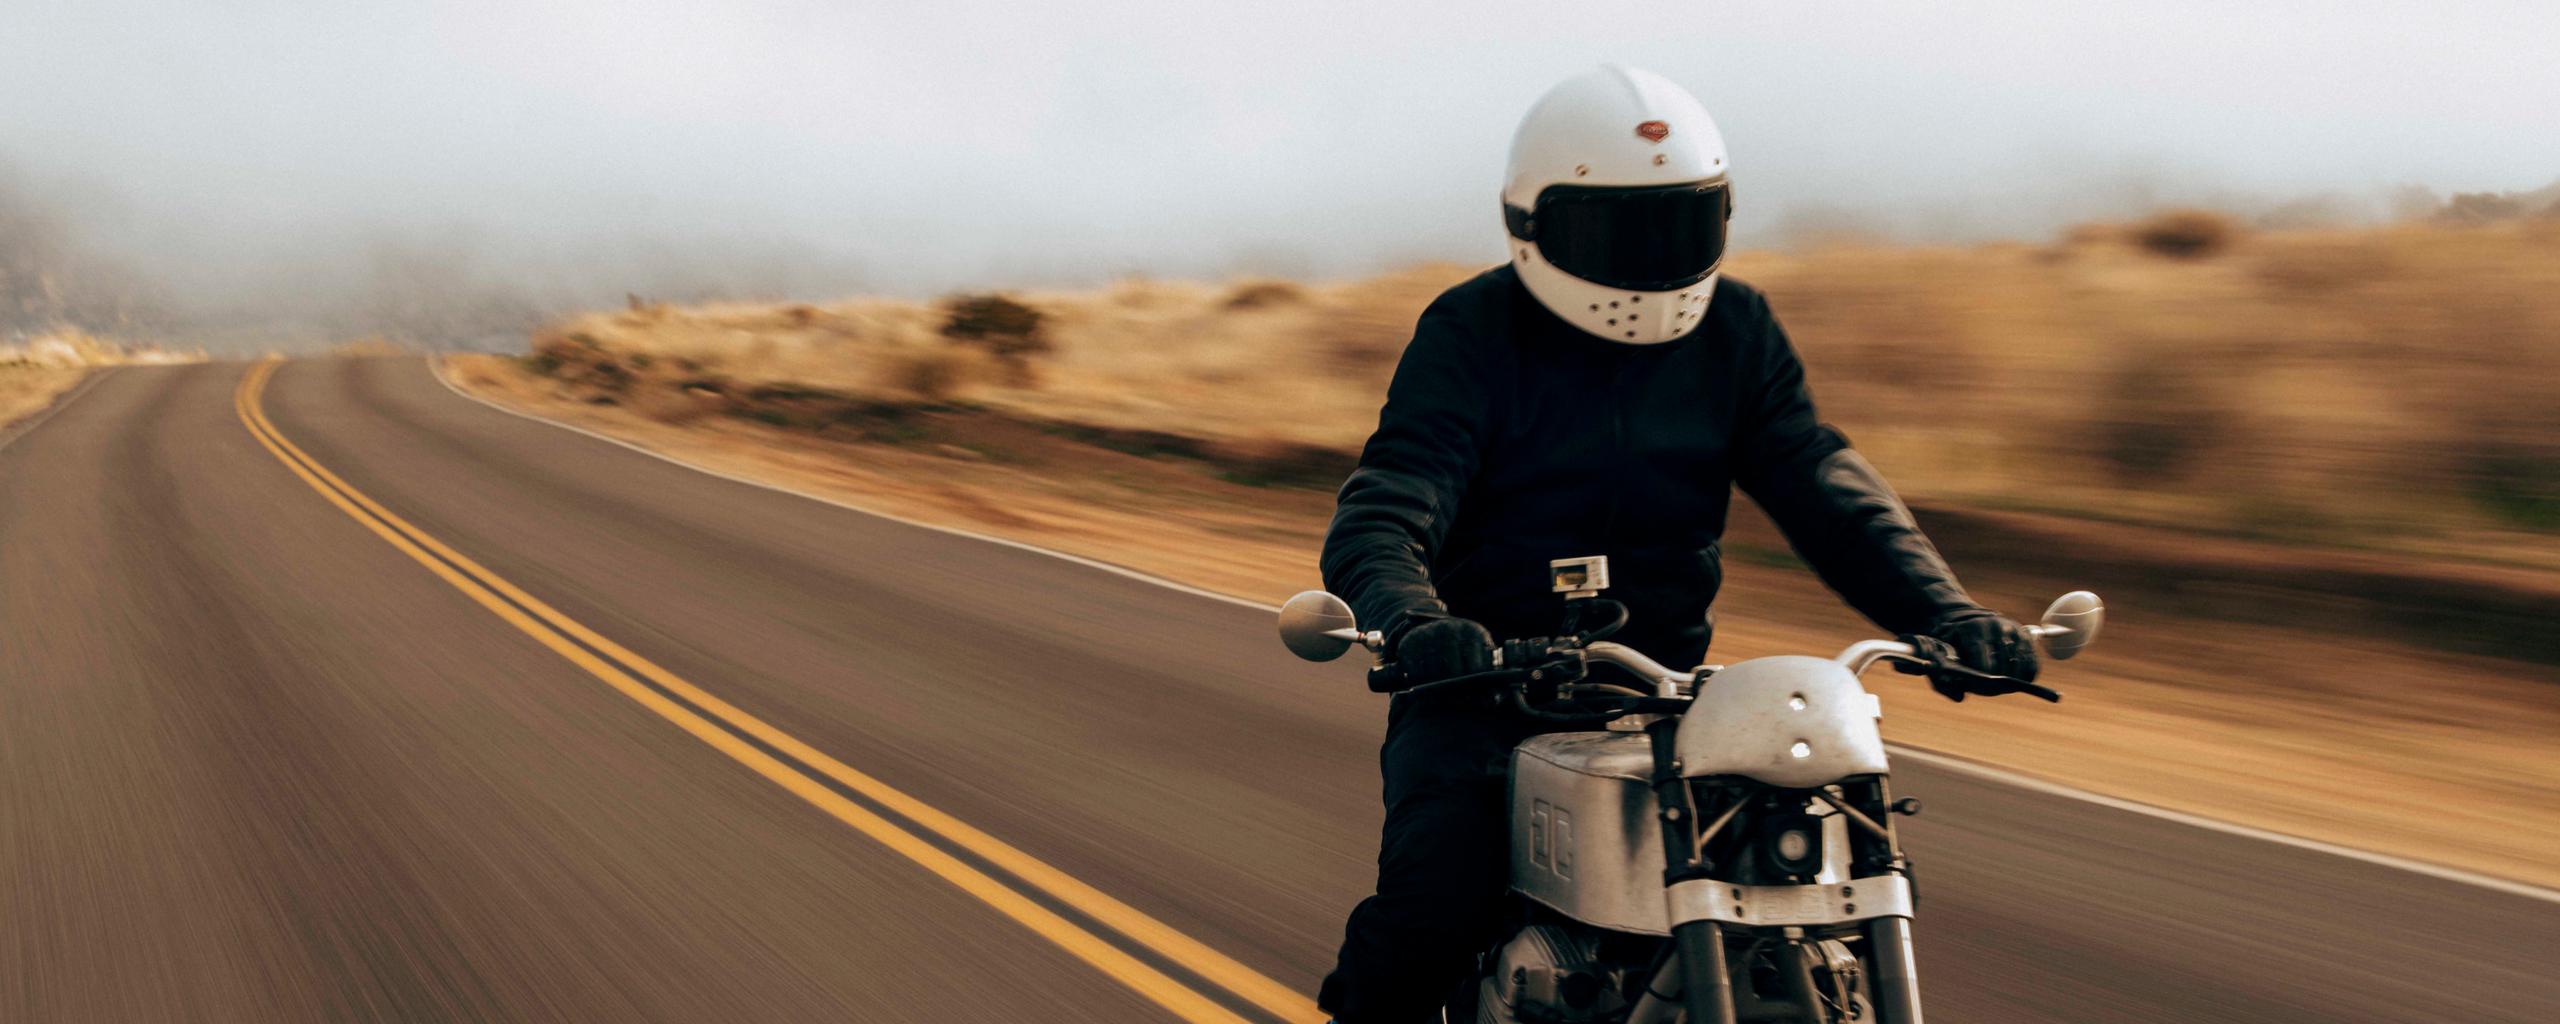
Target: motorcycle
[1712,846]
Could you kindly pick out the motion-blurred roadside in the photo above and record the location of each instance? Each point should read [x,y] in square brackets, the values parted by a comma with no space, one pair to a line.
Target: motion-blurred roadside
[2317,471]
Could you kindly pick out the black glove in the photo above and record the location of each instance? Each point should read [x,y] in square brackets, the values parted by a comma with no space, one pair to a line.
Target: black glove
[1438,649]
[1985,641]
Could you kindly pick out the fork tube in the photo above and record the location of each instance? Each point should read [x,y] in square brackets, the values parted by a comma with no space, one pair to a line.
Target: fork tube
[1660,1004]
[1896,988]
[1671,802]
[1893,971]
[1671,798]
[1706,985]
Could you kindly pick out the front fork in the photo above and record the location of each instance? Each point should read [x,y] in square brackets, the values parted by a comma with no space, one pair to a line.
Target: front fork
[1706,977]
[1893,976]
[1706,981]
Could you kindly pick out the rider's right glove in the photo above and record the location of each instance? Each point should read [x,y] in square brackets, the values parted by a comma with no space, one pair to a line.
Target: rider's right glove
[1986,641]
[1438,649]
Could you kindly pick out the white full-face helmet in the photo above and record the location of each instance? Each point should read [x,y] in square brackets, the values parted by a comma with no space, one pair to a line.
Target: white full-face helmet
[1616,204]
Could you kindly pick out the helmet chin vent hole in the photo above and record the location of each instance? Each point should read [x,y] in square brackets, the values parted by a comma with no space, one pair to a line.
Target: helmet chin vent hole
[1613,304]
[1633,317]
[1635,298]
[1613,321]
[1631,334]
[1595,307]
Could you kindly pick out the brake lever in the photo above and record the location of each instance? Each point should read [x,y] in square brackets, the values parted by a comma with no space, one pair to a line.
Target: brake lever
[1936,660]
[2014,685]
[1988,684]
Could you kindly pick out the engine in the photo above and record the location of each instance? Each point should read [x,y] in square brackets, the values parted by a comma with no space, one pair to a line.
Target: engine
[1549,975]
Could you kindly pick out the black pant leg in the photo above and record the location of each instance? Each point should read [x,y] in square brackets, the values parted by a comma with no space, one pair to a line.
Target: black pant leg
[1444,864]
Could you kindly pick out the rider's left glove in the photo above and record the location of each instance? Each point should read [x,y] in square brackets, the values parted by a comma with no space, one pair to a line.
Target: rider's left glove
[1987,641]
[1438,649]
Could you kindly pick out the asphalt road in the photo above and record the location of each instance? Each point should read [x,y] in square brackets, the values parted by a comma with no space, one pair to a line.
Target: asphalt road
[264,757]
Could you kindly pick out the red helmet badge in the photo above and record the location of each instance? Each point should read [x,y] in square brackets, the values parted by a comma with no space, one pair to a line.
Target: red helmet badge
[1654,131]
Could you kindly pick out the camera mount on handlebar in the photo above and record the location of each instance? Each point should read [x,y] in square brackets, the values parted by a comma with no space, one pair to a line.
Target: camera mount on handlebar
[1548,679]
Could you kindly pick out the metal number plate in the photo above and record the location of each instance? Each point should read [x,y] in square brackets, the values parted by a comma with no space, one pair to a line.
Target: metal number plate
[1771,906]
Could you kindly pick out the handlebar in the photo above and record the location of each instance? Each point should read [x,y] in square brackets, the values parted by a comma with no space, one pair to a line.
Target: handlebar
[1388,677]
[1318,626]
[1554,691]
[1521,660]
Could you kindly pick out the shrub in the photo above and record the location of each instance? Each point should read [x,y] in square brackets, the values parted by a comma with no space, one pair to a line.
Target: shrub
[554,351]
[1258,294]
[2518,485]
[932,376]
[1001,327]
[2155,421]
[998,324]
[2186,234]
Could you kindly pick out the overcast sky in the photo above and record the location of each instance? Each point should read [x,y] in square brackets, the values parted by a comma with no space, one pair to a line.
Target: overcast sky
[930,145]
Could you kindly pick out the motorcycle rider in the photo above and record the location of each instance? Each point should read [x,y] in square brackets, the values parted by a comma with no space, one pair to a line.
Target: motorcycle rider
[1601,394]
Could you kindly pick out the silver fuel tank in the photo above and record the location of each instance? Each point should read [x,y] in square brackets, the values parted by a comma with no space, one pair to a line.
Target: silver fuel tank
[1584,840]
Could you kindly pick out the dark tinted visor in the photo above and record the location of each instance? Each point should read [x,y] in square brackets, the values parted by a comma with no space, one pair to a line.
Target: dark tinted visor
[1639,239]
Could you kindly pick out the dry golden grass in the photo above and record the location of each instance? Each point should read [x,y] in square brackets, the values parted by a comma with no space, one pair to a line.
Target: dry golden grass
[33,374]
[26,389]
[2390,388]
[2393,388]
[1255,360]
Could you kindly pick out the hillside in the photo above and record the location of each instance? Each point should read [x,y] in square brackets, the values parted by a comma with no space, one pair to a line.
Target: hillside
[2394,389]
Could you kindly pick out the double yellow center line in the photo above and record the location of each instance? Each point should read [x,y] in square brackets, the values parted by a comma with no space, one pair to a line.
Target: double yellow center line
[1174,970]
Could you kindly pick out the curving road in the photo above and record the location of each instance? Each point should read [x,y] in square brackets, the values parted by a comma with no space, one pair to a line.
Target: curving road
[364,701]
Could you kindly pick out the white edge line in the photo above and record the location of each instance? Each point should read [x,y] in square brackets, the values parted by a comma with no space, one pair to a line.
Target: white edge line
[1934,759]
[28,425]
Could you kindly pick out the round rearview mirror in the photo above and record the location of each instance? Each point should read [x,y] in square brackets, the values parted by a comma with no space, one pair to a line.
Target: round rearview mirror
[1317,626]
[2072,623]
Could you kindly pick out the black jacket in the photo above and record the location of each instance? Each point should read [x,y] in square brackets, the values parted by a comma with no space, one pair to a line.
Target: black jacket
[1510,438]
